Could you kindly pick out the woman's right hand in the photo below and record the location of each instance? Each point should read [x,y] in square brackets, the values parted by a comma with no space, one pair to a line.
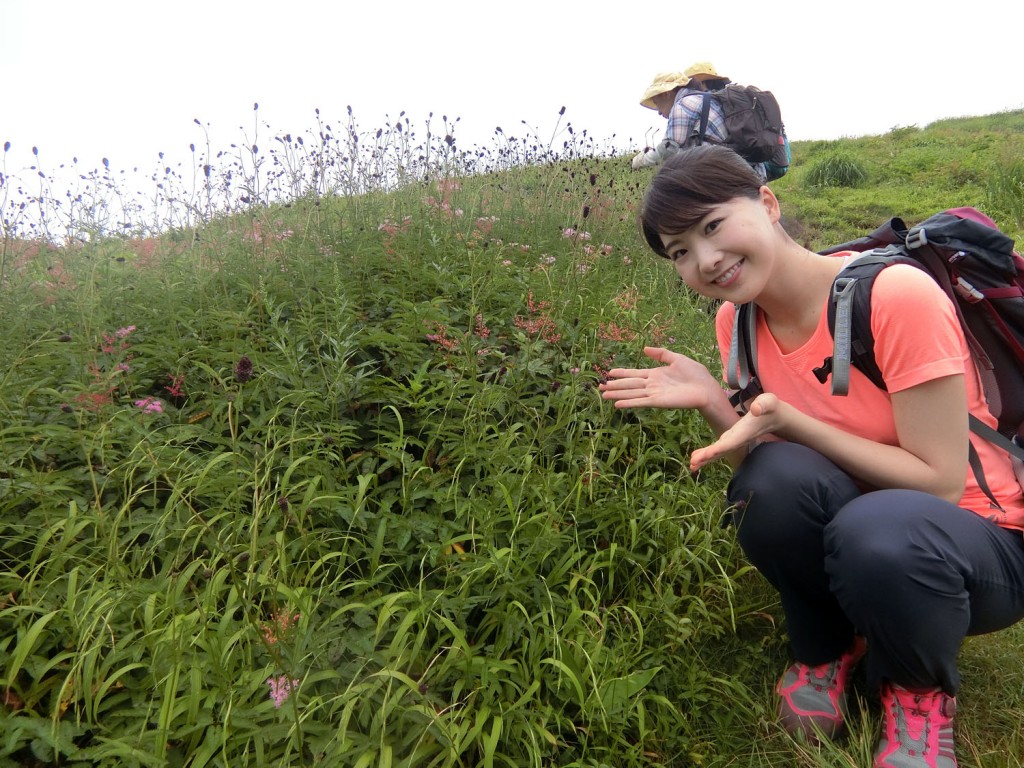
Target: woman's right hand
[680,382]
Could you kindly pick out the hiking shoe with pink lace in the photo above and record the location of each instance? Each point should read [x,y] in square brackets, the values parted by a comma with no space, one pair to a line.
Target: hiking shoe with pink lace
[917,729]
[812,700]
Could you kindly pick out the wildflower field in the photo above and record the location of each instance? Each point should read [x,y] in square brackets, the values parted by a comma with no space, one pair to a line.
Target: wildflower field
[302,462]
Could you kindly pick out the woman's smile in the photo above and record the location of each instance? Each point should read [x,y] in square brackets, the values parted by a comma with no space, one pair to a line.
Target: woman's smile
[729,276]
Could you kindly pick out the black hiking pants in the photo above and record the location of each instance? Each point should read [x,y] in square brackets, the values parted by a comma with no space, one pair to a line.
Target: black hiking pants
[912,573]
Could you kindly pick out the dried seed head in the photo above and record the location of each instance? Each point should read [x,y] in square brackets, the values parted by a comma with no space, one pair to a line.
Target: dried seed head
[243,370]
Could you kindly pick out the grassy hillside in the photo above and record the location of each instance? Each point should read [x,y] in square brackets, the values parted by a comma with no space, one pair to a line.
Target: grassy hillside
[910,173]
[325,480]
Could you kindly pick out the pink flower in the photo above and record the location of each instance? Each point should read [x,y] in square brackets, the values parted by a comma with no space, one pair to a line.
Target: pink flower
[278,626]
[573,234]
[93,401]
[150,405]
[485,224]
[441,338]
[615,332]
[628,299]
[481,328]
[174,388]
[281,688]
[122,332]
[538,323]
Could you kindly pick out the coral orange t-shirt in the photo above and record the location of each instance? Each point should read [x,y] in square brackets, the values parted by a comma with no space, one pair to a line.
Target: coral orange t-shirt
[917,338]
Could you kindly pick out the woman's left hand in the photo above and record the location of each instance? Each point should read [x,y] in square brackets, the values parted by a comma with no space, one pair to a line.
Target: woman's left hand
[679,382]
[763,417]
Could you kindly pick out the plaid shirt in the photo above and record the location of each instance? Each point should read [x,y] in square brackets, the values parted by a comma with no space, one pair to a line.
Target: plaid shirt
[684,123]
[684,119]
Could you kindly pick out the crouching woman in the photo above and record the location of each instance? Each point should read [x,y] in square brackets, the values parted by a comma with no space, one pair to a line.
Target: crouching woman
[863,512]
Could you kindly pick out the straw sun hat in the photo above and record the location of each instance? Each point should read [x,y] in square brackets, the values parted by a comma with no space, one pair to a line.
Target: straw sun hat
[704,70]
[666,81]
[663,82]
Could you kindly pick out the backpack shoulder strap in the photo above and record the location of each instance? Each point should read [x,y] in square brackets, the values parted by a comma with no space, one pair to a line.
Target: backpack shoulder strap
[849,319]
[705,115]
[995,437]
[741,365]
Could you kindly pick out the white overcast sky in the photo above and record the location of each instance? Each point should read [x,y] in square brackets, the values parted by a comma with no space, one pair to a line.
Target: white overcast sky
[124,80]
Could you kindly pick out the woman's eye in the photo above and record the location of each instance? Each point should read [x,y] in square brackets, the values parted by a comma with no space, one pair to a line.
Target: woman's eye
[677,255]
[712,226]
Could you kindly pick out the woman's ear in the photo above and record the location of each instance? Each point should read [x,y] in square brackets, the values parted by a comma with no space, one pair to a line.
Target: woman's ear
[771,203]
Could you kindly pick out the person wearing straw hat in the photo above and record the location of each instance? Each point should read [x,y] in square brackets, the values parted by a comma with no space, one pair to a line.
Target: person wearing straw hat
[678,97]
[661,97]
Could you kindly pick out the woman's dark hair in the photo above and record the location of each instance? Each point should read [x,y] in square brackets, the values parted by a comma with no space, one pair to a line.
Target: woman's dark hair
[688,185]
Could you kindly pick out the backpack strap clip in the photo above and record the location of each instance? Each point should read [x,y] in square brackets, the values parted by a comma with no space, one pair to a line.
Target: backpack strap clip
[916,237]
[967,292]
[823,371]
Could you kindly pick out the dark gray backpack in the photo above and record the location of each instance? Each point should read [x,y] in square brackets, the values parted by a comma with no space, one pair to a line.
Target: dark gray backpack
[754,122]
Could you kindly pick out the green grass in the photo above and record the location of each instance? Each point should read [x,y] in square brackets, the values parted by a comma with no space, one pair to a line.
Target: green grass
[836,169]
[381,477]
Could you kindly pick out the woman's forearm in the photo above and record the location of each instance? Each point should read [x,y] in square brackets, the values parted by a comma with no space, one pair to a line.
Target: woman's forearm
[877,464]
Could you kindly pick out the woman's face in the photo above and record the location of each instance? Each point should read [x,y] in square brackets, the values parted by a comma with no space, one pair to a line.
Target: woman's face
[728,254]
[663,103]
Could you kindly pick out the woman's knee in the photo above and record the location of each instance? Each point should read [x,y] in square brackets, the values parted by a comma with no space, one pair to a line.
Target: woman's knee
[784,494]
[779,476]
[785,467]
[881,536]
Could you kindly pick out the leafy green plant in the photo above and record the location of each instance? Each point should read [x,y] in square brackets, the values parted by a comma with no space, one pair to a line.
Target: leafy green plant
[329,482]
[1006,188]
[836,169]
